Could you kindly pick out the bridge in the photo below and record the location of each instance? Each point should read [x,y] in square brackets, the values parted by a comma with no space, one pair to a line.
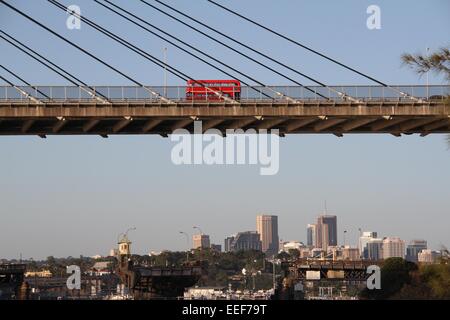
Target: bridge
[338,110]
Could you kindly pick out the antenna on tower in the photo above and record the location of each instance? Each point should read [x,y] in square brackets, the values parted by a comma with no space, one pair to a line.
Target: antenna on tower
[326,211]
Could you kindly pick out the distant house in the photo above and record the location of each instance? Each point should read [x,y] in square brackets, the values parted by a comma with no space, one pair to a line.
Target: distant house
[39,274]
[100,268]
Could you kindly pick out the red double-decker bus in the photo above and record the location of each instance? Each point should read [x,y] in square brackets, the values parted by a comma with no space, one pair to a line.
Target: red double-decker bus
[205,89]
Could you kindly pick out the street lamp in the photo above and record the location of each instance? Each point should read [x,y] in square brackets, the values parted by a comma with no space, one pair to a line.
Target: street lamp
[428,50]
[165,71]
[195,227]
[187,242]
[345,232]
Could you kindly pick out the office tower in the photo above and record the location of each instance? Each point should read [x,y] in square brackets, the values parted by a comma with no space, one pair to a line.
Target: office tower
[200,241]
[248,240]
[228,243]
[413,249]
[374,249]
[393,247]
[326,231]
[311,235]
[267,227]
[363,240]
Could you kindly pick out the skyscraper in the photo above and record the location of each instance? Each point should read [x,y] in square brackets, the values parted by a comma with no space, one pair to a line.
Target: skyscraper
[267,227]
[244,241]
[228,243]
[311,235]
[374,248]
[200,241]
[326,231]
[393,247]
[363,240]
[414,248]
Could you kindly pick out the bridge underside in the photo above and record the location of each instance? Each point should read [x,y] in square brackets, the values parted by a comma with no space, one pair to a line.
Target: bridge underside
[140,117]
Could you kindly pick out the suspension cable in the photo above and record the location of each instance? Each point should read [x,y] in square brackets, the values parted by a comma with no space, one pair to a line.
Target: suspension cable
[55,68]
[232,49]
[138,50]
[184,43]
[341,94]
[310,49]
[26,94]
[21,79]
[83,50]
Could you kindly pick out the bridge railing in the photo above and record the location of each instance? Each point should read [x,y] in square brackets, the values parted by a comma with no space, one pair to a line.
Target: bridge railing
[178,93]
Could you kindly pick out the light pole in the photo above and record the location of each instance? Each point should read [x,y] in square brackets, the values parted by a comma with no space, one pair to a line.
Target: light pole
[428,93]
[345,232]
[187,242]
[165,72]
[196,227]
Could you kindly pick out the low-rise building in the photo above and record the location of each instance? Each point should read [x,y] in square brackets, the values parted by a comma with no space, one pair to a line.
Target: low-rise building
[428,256]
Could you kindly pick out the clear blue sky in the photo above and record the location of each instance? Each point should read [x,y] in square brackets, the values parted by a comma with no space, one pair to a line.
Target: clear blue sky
[73,195]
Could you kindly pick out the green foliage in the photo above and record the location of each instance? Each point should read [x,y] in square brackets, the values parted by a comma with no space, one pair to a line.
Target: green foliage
[395,274]
[404,280]
[438,62]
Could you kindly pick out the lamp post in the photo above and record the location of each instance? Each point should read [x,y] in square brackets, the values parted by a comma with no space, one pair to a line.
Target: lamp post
[187,242]
[345,232]
[165,72]
[428,50]
[196,227]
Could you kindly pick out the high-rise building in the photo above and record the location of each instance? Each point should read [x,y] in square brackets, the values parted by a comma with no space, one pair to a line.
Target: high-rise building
[374,249]
[228,243]
[428,256]
[326,231]
[413,249]
[393,247]
[267,227]
[349,253]
[366,236]
[311,235]
[200,241]
[243,241]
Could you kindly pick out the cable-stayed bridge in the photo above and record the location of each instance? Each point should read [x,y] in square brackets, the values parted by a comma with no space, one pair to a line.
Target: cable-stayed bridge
[134,110]
[80,108]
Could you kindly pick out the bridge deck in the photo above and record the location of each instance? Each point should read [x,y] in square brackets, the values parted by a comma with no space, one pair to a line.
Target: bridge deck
[128,113]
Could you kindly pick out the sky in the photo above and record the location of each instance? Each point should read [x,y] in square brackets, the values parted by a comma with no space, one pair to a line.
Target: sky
[66,196]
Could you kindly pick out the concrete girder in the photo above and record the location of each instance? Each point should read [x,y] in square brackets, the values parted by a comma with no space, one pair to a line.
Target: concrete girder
[241,123]
[356,123]
[325,124]
[411,124]
[180,124]
[268,124]
[121,124]
[297,124]
[27,125]
[151,124]
[382,124]
[90,125]
[436,125]
[59,125]
[212,123]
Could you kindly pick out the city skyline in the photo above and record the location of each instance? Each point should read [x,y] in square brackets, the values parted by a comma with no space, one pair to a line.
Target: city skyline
[201,240]
[73,195]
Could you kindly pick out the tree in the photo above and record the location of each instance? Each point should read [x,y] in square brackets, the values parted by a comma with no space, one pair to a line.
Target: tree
[395,275]
[438,62]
